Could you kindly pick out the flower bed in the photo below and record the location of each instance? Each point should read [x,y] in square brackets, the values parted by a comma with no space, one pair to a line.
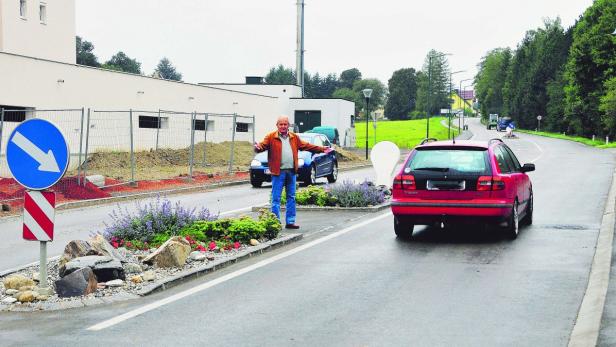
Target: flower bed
[132,241]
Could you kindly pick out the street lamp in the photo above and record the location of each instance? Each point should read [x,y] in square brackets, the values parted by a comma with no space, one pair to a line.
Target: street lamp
[367,93]
[430,55]
[449,114]
[464,92]
[462,102]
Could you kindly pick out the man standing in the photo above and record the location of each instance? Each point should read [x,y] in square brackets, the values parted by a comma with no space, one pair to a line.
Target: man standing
[282,146]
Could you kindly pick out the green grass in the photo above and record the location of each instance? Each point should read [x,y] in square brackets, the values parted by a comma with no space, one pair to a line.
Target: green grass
[599,143]
[404,133]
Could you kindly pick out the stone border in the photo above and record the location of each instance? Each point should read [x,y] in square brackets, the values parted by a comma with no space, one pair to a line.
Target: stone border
[376,208]
[158,286]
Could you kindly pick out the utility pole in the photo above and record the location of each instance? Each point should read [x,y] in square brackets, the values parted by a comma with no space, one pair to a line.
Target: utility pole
[299,69]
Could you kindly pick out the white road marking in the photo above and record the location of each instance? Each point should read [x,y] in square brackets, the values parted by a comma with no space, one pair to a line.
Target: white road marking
[152,306]
[243,209]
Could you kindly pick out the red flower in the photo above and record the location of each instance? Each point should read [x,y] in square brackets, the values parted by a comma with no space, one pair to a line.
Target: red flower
[115,244]
[236,245]
[129,244]
[212,245]
[201,248]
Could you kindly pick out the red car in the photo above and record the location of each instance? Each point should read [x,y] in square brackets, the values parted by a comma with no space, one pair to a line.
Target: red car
[462,181]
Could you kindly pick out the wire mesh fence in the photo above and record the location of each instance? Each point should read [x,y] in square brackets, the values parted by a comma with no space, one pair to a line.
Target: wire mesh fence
[118,151]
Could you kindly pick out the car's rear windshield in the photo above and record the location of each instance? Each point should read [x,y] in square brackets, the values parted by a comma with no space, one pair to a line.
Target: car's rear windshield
[449,160]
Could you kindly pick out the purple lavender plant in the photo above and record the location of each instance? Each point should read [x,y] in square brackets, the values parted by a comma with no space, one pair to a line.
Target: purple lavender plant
[350,194]
[156,217]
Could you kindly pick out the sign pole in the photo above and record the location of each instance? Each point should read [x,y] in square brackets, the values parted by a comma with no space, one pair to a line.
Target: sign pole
[43,266]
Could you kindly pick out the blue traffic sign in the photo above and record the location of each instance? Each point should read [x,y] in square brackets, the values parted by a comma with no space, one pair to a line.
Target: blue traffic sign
[37,154]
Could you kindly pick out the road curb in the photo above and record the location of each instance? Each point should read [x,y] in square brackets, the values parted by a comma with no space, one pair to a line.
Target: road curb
[328,208]
[168,283]
[588,323]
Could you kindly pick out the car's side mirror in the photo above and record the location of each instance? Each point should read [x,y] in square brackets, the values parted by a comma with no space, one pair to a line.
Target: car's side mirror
[528,167]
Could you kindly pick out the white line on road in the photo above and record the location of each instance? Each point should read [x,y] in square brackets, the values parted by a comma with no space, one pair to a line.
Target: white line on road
[243,209]
[149,307]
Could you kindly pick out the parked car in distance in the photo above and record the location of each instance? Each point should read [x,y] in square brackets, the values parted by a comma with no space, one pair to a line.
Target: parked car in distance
[459,182]
[492,121]
[310,166]
[330,132]
[503,123]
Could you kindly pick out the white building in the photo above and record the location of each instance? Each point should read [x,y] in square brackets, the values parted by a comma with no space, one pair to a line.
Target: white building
[38,72]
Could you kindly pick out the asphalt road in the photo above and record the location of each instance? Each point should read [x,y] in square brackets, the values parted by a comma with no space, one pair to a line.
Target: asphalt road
[352,282]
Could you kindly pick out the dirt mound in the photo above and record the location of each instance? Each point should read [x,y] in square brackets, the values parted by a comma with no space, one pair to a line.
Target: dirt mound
[347,155]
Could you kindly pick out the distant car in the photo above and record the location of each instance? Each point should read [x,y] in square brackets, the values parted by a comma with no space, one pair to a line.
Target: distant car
[462,181]
[330,132]
[503,123]
[310,166]
[492,121]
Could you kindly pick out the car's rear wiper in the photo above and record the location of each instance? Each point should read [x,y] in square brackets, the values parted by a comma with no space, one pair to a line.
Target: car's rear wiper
[441,169]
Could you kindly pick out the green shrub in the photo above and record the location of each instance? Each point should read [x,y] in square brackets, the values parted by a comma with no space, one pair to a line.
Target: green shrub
[314,195]
[207,230]
[271,223]
[244,229]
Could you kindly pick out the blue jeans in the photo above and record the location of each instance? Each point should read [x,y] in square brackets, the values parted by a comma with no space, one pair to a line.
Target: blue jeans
[285,179]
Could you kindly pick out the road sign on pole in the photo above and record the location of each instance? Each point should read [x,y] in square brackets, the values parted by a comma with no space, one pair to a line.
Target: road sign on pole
[37,154]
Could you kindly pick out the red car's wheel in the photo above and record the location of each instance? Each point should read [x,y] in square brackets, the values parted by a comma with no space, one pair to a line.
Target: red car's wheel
[513,224]
[403,228]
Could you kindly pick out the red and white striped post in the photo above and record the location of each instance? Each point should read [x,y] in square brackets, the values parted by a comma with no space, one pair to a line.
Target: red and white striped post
[38,224]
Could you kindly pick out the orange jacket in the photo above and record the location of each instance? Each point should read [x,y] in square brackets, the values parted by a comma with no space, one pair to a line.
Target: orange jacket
[273,144]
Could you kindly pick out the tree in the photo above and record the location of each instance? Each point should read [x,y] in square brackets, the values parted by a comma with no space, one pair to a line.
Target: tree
[84,53]
[121,62]
[535,65]
[167,71]
[402,93]
[490,81]
[376,99]
[280,75]
[608,107]
[435,79]
[348,77]
[591,62]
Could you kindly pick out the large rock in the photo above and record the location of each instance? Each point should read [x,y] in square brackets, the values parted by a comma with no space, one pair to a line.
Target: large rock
[103,247]
[97,245]
[80,282]
[17,281]
[76,249]
[105,268]
[172,253]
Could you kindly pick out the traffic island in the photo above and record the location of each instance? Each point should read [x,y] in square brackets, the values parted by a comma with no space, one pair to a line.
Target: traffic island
[18,290]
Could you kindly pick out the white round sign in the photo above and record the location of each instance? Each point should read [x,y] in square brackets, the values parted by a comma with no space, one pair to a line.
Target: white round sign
[538,117]
[384,156]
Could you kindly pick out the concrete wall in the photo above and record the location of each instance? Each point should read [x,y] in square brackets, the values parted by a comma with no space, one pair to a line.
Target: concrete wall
[53,39]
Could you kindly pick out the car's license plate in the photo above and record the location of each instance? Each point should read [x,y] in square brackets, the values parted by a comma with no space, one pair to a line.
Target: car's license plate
[267,172]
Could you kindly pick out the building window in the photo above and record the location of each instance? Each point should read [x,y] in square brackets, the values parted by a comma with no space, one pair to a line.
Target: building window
[22,8]
[199,124]
[149,122]
[241,127]
[43,13]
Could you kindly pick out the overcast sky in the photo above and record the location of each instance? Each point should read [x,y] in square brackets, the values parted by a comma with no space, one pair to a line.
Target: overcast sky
[225,40]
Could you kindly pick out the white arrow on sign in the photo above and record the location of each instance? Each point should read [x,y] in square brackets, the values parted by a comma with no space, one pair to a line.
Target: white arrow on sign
[47,161]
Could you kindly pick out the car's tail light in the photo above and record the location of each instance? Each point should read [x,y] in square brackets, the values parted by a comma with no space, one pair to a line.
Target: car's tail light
[486,183]
[498,183]
[404,182]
